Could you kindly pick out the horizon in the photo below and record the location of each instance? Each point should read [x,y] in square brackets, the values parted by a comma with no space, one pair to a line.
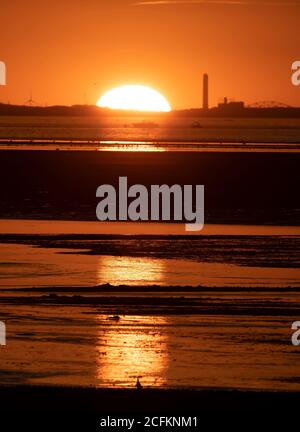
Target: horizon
[153,113]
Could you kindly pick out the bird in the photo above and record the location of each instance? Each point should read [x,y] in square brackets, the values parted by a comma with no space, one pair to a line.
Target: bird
[114,318]
[138,384]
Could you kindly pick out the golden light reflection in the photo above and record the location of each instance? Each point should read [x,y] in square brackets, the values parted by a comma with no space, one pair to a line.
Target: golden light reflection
[135,347]
[132,147]
[129,270]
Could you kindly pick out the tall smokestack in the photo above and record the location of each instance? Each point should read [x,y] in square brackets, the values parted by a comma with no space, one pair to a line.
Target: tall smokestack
[205,92]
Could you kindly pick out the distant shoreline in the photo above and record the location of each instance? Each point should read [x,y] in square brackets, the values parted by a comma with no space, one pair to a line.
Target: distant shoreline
[148,146]
[93,110]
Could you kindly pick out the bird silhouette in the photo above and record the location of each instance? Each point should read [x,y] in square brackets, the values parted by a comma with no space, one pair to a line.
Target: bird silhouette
[138,384]
[114,318]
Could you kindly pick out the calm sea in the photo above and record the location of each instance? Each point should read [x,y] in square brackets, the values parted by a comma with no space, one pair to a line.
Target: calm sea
[152,128]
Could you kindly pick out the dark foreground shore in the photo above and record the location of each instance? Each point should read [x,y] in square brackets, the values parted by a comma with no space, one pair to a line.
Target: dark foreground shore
[253,188]
[33,399]
[90,409]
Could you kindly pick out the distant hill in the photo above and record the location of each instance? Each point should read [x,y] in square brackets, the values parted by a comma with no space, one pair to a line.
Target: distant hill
[93,110]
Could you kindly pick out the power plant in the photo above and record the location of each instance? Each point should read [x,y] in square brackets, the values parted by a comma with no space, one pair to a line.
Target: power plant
[225,108]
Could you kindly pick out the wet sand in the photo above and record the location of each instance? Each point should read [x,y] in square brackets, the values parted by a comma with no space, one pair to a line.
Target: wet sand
[168,337]
[218,333]
[45,253]
[241,188]
[230,346]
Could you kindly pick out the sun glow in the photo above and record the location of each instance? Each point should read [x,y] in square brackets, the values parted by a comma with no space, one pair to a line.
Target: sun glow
[136,98]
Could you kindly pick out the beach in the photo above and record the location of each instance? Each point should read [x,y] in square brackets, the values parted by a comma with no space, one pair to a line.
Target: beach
[240,187]
[177,311]
[200,319]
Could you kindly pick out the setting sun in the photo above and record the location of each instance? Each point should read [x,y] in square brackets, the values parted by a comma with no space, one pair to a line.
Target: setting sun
[134,97]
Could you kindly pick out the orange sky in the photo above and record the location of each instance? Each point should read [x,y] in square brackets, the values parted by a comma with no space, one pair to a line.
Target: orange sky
[71,51]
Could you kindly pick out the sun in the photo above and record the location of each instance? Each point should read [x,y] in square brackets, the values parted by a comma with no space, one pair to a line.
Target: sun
[136,98]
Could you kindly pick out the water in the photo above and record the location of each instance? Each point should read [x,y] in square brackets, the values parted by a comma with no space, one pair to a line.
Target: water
[61,227]
[146,146]
[232,332]
[60,331]
[221,256]
[153,128]
[80,346]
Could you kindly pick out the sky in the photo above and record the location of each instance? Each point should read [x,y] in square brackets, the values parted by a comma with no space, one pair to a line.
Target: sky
[72,51]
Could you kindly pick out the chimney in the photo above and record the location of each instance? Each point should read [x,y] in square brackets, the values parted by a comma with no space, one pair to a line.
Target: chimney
[205,92]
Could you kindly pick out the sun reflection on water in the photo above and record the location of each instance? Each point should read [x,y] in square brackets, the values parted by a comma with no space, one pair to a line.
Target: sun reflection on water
[132,147]
[135,347]
[129,270]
